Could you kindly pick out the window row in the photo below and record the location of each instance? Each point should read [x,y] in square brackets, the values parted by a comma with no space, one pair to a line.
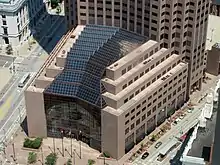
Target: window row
[145,72]
[141,117]
[153,98]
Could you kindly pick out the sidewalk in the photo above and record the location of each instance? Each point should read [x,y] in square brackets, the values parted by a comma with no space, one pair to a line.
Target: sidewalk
[86,151]
[5,76]
[48,147]
[194,98]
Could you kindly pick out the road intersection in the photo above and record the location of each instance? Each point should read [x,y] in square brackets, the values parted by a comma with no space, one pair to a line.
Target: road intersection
[12,108]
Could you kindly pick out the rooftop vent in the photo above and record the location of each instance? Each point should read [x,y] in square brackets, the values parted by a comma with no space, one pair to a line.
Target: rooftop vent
[145,62]
[72,36]
[63,51]
[116,65]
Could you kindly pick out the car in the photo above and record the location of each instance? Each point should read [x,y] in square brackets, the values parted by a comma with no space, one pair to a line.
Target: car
[145,155]
[189,111]
[182,117]
[158,144]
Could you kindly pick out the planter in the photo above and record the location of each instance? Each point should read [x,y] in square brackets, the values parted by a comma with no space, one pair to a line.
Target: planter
[30,149]
[105,158]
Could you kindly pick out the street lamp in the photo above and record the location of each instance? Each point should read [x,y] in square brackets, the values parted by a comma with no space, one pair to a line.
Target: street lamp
[54,145]
[13,148]
[71,144]
[42,155]
[80,146]
[4,132]
[62,143]
[19,111]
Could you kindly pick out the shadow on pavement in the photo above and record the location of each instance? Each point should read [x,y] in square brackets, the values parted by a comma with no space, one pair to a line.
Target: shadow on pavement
[43,26]
[24,126]
[176,159]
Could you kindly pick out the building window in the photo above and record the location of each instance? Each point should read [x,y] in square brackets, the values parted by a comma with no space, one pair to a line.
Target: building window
[4,22]
[5,31]
[6,40]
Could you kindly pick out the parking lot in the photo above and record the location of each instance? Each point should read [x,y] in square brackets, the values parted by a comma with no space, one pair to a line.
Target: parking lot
[6,61]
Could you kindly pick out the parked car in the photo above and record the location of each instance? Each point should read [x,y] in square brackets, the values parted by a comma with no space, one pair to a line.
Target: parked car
[158,144]
[145,155]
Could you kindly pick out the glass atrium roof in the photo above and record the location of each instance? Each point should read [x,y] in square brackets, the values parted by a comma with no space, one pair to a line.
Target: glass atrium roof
[96,48]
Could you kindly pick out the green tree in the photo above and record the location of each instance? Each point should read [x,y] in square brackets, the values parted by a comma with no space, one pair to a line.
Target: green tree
[32,157]
[36,143]
[69,162]
[51,159]
[106,154]
[9,49]
[54,3]
[58,10]
[91,162]
[153,138]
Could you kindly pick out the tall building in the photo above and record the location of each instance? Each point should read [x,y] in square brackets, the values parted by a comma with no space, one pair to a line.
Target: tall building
[103,78]
[18,18]
[177,24]
[142,89]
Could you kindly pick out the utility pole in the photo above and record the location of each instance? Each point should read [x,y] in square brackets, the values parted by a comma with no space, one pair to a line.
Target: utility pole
[54,145]
[62,143]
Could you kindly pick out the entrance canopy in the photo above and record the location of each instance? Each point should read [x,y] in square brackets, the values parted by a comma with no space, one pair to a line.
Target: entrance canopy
[168,146]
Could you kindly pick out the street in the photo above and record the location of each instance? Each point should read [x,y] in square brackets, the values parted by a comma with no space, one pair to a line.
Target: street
[12,108]
[176,131]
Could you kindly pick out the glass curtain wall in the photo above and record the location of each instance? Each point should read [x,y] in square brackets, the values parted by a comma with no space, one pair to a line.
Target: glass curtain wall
[72,117]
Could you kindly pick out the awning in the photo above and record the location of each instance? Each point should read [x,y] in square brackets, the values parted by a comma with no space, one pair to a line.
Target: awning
[168,146]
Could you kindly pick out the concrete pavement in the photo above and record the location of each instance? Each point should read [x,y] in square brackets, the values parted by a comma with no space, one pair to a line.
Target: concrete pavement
[13,103]
[183,126]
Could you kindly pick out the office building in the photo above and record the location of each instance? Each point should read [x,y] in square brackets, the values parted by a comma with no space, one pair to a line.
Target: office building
[213,60]
[215,8]
[66,94]
[18,19]
[105,78]
[142,89]
[213,46]
[178,24]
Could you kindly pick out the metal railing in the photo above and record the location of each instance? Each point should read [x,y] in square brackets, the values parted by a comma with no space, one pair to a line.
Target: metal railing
[53,55]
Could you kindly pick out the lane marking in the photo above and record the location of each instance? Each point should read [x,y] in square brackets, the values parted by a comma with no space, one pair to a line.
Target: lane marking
[5,64]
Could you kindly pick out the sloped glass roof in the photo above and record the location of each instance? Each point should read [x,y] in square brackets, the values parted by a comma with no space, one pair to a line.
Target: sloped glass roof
[96,48]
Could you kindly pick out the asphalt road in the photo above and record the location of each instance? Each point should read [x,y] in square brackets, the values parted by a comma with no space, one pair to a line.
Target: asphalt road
[12,106]
[176,131]
[5,61]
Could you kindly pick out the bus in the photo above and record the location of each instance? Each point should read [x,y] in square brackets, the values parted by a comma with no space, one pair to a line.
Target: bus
[24,80]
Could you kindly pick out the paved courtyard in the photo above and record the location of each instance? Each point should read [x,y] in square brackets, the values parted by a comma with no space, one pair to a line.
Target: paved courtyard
[48,147]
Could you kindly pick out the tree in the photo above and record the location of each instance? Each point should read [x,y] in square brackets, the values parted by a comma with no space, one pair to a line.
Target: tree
[153,138]
[9,49]
[54,3]
[58,10]
[69,162]
[51,159]
[32,157]
[91,162]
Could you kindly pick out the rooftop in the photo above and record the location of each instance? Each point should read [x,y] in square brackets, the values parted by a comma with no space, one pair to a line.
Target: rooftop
[213,31]
[5,1]
[204,139]
[96,48]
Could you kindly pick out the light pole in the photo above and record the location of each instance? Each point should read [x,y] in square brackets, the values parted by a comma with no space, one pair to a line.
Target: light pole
[80,147]
[4,132]
[62,143]
[71,144]
[54,145]
[19,111]
[74,157]
[13,148]
[42,155]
